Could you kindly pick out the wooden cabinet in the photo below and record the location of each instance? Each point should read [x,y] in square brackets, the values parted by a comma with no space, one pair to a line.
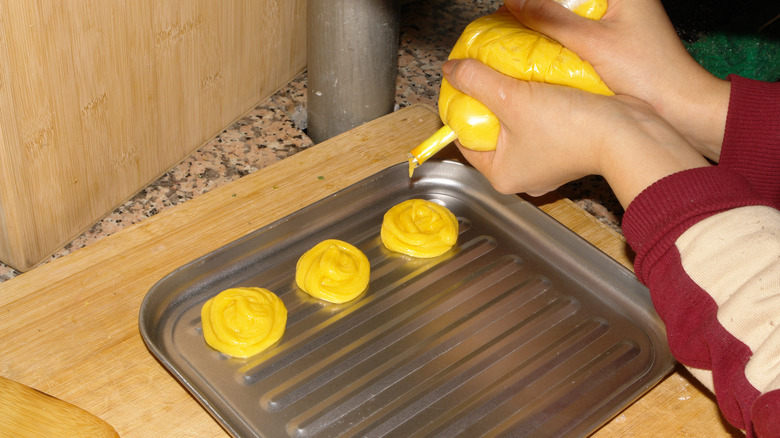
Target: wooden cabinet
[100,97]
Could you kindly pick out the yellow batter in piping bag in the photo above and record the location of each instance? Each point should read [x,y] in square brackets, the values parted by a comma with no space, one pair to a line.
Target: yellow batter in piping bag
[504,44]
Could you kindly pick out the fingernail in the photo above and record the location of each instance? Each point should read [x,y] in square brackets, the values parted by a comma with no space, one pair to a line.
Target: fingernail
[449,66]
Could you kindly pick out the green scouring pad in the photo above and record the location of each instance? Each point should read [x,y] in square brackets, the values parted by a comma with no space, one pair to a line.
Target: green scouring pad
[749,56]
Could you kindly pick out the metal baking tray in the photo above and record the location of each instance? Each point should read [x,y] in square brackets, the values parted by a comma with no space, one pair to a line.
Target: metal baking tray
[522,329]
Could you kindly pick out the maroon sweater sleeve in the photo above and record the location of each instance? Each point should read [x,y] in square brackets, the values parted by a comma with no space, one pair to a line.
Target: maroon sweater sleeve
[748,175]
[652,224]
[751,144]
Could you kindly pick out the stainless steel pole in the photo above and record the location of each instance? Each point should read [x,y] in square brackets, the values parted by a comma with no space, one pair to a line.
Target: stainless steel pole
[352,57]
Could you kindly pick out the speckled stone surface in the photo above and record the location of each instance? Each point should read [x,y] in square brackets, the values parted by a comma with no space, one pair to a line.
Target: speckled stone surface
[275,129]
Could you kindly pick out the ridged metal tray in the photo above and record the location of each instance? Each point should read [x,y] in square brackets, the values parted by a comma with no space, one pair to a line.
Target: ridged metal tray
[523,329]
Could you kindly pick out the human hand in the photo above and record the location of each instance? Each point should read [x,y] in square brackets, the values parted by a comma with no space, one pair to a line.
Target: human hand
[636,51]
[554,134]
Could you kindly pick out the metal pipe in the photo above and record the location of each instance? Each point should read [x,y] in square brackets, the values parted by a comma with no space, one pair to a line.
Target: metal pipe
[352,57]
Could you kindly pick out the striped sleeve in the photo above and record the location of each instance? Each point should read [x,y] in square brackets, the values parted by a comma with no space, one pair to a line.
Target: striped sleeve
[697,234]
[708,247]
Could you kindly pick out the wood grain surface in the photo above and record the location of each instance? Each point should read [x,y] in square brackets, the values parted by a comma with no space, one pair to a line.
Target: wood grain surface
[25,412]
[99,98]
[69,327]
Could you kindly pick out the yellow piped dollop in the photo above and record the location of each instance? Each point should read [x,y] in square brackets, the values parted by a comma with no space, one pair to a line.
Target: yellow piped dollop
[419,228]
[334,271]
[243,321]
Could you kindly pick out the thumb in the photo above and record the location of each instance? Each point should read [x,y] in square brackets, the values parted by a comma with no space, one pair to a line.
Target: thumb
[477,80]
[553,20]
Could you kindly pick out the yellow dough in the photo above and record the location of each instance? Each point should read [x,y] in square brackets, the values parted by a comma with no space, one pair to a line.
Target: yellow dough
[593,9]
[419,228]
[243,321]
[333,270]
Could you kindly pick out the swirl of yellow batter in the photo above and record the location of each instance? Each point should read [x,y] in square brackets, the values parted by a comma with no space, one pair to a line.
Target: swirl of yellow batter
[243,321]
[419,228]
[333,270]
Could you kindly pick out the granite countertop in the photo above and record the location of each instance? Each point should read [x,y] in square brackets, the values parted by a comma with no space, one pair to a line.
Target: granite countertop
[276,128]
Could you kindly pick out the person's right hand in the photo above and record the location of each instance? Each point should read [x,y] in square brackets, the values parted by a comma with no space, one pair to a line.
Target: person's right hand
[553,134]
[636,51]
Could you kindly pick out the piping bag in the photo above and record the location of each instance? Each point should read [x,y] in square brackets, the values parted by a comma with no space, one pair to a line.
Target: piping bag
[501,42]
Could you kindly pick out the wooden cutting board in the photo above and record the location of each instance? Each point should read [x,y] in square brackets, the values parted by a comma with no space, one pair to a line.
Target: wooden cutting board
[70,327]
[27,413]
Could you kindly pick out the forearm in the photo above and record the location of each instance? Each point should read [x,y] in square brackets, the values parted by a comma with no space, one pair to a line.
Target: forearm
[697,109]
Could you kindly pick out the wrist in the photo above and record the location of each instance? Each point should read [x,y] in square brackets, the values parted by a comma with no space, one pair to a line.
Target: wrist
[698,109]
[645,150]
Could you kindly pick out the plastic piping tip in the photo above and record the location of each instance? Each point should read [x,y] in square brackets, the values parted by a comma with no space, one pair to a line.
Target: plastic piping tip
[433,144]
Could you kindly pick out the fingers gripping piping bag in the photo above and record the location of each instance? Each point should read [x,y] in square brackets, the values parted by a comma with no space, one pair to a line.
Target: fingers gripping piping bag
[504,44]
